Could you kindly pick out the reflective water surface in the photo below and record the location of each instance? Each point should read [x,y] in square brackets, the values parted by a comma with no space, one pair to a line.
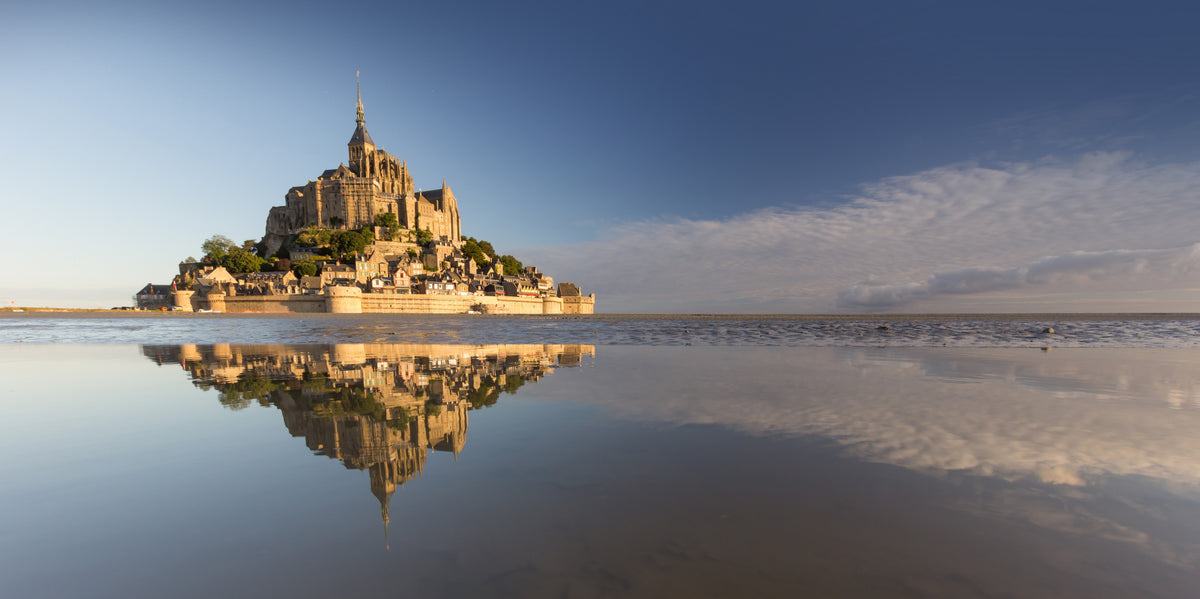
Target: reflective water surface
[1078,330]
[591,471]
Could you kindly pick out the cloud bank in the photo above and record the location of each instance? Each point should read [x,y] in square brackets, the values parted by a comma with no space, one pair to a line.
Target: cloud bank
[1074,267]
[1104,223]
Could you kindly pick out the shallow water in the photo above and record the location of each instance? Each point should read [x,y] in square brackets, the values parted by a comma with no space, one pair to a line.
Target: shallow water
[548,469]
[1129,330]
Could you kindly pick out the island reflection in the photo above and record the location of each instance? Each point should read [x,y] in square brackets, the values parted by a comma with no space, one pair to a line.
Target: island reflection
[374,407]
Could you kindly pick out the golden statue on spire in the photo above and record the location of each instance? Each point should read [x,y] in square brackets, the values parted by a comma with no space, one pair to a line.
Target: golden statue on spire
[358,89]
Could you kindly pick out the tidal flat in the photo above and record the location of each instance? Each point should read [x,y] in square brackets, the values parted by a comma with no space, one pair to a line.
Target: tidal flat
[198,461]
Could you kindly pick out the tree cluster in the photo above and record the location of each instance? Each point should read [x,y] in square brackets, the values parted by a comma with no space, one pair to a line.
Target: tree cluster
[391,226]
[342,244]
[479,251]
[347,243]
[306,267]
[313,237]
[222,251]
[484,254]
[512,266]
[424,237]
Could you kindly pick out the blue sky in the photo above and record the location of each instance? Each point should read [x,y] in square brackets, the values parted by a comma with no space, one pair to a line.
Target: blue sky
[671,157]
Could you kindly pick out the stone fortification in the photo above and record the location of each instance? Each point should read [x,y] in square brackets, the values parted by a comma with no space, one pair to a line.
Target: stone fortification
[350,300]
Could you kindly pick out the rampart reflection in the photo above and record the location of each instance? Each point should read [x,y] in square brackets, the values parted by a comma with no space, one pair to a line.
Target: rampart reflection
[379,408]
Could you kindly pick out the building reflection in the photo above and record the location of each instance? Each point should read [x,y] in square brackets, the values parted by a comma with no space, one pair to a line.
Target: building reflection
[375,407]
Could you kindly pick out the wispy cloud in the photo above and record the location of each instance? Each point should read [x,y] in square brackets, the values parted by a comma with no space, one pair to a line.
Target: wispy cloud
[963,229]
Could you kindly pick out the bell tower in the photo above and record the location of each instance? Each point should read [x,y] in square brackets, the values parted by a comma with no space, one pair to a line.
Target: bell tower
[361,146]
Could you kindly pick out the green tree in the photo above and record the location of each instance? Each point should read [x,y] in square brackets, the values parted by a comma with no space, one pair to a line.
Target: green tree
[391,226]
[512,383]
[486,246]
[472,250]
[424,237]
[512,266]
[347,243]
[386,219]
[239,261]
[484,396]
[216,247]
[313,237]
[304,268]
[402,418]
[362,401]
[247,389]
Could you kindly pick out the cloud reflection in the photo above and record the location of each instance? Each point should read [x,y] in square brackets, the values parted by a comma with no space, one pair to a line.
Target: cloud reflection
[1064,417]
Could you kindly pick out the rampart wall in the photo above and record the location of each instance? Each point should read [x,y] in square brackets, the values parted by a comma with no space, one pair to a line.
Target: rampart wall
[309,304]
[579,304]
[349,300]
[381,303]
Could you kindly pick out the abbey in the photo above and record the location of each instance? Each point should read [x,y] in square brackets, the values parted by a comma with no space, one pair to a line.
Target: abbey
[373,182]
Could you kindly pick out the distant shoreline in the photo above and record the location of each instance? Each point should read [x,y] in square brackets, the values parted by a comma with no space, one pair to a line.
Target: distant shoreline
[73,313]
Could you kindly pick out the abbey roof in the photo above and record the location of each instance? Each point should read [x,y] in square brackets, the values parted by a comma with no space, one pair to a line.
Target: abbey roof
[361,135]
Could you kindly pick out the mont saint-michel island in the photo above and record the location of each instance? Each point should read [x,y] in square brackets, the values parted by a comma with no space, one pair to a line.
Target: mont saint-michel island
[362,238]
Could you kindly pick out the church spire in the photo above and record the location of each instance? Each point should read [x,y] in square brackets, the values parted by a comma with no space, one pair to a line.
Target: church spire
[361,145]
[384,510]
[358,88]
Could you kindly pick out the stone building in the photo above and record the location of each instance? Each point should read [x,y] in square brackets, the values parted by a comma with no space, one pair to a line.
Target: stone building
[153,297]
[373,182]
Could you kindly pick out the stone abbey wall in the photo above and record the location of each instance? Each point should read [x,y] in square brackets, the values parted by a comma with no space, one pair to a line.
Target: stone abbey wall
[373,182]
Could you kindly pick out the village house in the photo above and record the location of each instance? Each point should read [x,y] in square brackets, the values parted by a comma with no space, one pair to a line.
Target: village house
[434,287]
[401,280]
[370,266]
[310,284]
[338,274]
[154,296]
[216,276]
[514,287]
[270,282]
